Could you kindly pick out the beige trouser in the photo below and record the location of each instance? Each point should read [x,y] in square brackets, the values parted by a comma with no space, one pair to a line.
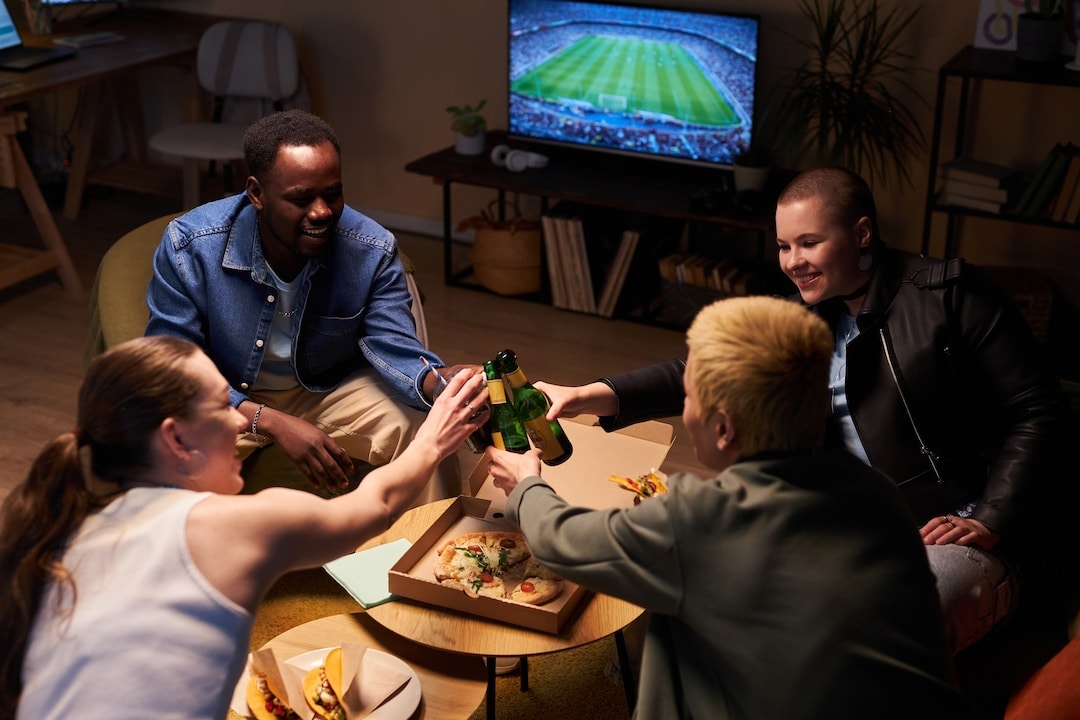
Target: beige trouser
[363,417]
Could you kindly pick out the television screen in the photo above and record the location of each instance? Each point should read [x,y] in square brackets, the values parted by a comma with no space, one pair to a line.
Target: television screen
[669,83]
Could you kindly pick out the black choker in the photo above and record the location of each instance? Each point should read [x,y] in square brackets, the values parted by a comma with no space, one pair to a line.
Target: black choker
[858,292]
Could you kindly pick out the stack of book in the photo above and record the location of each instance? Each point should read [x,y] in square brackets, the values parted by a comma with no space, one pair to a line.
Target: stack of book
[1054,191]
[979,185]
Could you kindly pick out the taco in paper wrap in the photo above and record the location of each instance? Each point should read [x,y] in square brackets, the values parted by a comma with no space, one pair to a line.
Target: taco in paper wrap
[323,687]
[264,699]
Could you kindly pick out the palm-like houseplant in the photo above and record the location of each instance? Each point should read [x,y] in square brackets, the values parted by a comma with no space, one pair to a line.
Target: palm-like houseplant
[849,103]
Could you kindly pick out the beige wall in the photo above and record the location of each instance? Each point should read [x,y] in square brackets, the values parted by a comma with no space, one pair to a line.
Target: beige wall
[384,70]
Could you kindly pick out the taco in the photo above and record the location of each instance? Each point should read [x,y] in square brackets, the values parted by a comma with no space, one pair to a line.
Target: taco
[323,688]
[265,701]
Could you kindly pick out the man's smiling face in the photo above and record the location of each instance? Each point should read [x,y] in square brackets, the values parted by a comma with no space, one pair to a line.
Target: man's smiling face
[299,202]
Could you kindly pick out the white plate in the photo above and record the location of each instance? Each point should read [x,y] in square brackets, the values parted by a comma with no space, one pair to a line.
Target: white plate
[399,707]
[1072,66]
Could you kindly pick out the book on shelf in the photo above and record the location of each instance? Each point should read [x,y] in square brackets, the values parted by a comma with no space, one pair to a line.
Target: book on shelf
[1036,192]
[1042,199]
[551,255]
[1003,194]
[1072,211]
[1068,189]
[978,172]
[989,206]
[616,277]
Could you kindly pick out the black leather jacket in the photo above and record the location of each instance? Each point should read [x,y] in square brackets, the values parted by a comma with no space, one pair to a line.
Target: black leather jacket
[947,388]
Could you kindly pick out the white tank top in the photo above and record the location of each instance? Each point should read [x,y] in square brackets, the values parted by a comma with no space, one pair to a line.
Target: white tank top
[148,636]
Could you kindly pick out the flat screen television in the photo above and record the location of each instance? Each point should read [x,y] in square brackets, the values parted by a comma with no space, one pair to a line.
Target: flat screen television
[668,83]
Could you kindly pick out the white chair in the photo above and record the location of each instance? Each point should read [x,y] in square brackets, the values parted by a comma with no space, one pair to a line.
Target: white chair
[236,60]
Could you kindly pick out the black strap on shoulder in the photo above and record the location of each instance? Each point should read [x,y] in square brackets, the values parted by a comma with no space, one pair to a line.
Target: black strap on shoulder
[938,275]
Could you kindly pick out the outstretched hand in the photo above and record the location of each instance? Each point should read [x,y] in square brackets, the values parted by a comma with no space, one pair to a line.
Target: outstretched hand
[568,401]
[508,469]
[460,409]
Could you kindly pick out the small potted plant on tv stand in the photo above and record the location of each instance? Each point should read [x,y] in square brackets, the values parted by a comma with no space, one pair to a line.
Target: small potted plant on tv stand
[751,168]
[470,128]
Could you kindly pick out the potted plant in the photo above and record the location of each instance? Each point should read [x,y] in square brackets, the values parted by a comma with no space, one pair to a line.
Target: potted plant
[470,128]
[848,104]
[1039,29]
[751,168]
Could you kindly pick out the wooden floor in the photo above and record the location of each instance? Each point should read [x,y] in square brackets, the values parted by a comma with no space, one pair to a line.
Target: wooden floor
[44,330]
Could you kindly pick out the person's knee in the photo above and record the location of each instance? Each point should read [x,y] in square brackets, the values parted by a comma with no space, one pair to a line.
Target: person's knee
[975,589]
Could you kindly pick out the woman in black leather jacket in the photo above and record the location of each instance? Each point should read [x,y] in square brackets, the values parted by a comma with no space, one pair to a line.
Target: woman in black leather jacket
[937,382]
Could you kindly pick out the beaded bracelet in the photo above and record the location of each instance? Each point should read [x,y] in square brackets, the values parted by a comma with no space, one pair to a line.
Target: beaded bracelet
[255,425]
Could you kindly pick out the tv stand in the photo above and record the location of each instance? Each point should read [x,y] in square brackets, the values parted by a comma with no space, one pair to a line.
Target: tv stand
[623,184]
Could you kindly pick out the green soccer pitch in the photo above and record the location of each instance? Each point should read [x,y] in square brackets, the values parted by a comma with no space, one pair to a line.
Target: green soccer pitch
[629,75]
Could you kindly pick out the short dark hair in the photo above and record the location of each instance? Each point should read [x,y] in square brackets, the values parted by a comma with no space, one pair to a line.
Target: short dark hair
[267,135]
[847,196]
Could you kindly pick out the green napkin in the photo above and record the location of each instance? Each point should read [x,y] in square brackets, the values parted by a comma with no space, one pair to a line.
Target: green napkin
[364,574]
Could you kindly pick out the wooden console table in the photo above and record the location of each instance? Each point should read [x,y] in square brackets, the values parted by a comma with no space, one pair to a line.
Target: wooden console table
[99,73]
[632,185]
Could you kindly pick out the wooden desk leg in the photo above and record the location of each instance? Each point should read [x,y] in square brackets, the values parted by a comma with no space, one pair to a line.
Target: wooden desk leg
[50,235]
[89,104]
[627,675]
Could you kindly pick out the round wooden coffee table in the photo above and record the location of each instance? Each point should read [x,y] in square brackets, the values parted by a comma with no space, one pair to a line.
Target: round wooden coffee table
[597,617]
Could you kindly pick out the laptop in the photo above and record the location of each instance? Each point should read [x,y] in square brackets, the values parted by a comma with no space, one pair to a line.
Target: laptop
[16,56]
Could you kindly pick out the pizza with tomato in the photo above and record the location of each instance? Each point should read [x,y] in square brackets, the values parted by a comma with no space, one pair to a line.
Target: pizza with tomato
[498,565]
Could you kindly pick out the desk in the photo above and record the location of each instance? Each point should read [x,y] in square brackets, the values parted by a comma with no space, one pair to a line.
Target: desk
[101,74]
[598,616]
[452,686]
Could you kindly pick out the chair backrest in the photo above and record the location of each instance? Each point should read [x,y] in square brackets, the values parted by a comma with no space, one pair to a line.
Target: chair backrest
[248,59]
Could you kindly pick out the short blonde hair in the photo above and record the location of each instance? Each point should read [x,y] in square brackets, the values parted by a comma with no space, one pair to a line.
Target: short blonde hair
[765,362]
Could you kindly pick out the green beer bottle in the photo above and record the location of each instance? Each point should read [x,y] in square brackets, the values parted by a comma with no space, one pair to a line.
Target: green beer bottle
[507,432]
[531,406]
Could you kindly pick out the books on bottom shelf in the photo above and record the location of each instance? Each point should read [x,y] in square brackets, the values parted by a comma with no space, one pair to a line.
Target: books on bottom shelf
[723,275]
[588,258]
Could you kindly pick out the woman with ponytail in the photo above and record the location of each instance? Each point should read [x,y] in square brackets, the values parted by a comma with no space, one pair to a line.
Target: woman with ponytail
[132,569]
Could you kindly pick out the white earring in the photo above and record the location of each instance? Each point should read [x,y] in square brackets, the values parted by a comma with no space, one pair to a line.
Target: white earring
[185,472]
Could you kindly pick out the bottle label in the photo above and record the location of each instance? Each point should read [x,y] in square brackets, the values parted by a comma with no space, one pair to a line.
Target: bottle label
[496,391]
[497,440]
[539,431]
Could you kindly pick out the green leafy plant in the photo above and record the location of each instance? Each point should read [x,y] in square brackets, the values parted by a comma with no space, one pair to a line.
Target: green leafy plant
[843,105]
[467,119]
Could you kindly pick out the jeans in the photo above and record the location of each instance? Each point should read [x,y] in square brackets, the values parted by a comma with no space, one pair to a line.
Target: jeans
[976,590]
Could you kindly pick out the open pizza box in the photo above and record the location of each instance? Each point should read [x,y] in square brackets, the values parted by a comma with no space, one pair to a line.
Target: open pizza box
[582,480]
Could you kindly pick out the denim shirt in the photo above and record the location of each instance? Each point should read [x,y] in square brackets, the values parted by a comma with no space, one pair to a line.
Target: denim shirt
[211,286]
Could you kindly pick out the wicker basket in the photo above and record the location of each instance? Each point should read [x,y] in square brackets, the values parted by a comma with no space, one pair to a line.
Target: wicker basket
[505,253]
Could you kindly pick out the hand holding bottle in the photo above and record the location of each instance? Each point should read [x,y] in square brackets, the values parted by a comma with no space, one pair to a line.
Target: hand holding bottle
[596,398]
[508,469]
